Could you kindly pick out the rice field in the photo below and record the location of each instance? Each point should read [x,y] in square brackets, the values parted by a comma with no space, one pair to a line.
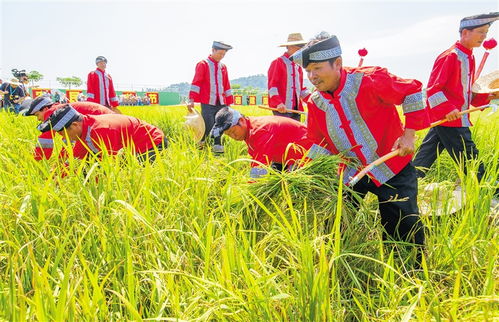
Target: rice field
[189,238]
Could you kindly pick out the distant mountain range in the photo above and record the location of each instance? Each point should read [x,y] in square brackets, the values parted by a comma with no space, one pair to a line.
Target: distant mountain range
[257,82]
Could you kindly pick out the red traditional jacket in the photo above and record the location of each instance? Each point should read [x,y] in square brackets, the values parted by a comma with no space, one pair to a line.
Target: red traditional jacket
[285,83]
[100,88]
[450,84]
[211,84]
[113,132]
[45,145]
[360,120]
[275,139]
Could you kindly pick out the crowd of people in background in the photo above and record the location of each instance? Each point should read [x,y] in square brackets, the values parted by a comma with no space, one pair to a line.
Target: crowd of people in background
[134,100]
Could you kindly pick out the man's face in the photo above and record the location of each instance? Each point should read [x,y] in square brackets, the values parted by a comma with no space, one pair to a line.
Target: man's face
[324,76]
[218,54]
[24,79]
[238,132]
[102,64]
[73,132]
[474,38]
[39,115]
[293,49]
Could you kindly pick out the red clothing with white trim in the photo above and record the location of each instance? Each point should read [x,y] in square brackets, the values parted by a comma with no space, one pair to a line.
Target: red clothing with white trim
[361,121]
[114,132]
[450,84]
[269,137]
[100,88]
[285,84]
[211,84]
[45,145]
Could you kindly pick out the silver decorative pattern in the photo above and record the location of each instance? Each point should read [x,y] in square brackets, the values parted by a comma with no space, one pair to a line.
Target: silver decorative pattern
[317,151]
[476,22]
[195,89]
[413,103]
[437,99]
[325,54]
[466,83]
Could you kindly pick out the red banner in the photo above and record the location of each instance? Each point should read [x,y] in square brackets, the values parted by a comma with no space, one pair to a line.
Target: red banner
[238,100]
[265,100]
[39,91]
[72,94]
[153,97]
[129,93]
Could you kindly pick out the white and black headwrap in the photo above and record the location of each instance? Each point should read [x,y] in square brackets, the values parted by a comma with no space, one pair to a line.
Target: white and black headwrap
[38,103]
[221,45]
[478,20]
[60,119]
[323,50]
[225,119]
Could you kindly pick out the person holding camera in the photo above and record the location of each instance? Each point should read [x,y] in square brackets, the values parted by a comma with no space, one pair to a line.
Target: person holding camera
[23,79]
[13,95]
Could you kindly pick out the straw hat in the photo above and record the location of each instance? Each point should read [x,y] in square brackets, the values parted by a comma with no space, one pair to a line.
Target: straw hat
[294,39]
[195,122]
[15,82]
[487,84]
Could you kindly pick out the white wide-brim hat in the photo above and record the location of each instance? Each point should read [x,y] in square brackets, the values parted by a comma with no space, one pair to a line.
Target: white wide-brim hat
[487,84]
[194,121]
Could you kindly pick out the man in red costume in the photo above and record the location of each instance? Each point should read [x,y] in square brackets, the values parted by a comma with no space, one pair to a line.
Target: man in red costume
[42,107]
[285,80]
[353,113]
[211,88]
[100,88]
[272,140]
[110,132]
[449,92]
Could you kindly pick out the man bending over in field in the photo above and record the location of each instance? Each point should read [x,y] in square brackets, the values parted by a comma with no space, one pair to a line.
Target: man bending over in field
[111,132]
[271,140]
[42,107]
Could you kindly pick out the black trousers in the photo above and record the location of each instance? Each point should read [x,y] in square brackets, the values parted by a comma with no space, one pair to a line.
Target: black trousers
[208,113]
[456,140]
[399,218]
[151,153]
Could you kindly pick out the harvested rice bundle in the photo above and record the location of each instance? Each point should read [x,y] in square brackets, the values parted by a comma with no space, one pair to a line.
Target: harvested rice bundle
[310,191]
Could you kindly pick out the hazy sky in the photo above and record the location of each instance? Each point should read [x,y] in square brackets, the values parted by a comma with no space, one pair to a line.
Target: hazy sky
[157,43]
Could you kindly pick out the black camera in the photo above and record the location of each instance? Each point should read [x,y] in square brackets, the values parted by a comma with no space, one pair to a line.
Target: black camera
[19,73]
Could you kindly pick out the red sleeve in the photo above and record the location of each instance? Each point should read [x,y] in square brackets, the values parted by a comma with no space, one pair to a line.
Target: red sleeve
[313,130]
[394,90]
[480,99]
[229,99]
[91,87]
[44,146]
[274,80]
[197,82]
[259,150]
[112,94]
[443,71]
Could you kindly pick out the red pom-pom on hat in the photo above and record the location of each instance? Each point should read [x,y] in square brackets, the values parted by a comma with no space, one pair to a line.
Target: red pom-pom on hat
[363,52]
[490,44]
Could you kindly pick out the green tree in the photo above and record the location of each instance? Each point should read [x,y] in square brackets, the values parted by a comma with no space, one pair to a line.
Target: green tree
[236,89]
[34,77]
[70,81]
